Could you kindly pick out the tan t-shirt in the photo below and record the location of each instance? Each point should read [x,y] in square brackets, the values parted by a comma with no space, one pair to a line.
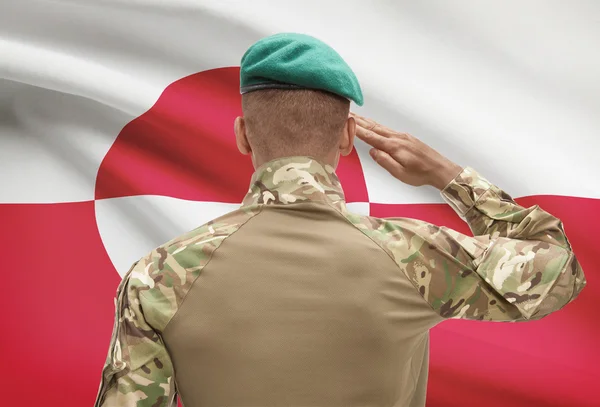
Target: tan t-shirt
[294,301]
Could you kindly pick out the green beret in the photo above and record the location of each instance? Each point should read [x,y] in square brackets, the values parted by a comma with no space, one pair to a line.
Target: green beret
[297,61]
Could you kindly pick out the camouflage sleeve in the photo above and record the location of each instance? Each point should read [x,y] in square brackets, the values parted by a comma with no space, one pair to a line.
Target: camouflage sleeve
[518,266]
[490,211]
[138,371]
[523,263]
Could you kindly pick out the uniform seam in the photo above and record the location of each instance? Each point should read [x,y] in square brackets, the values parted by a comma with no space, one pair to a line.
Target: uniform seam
[460,181]
[369,237]
[176,386]
[412,359]
[260,208]
[391,258]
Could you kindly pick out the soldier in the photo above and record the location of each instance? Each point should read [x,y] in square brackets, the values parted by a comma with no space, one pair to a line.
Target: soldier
[292,300]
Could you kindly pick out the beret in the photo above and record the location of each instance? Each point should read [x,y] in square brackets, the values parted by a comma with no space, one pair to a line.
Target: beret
[297,61]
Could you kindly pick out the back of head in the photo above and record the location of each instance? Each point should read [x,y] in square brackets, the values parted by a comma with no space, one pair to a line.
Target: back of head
[296,92]
[285,122]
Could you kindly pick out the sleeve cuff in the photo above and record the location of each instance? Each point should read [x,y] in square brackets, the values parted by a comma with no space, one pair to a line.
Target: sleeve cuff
[463,192]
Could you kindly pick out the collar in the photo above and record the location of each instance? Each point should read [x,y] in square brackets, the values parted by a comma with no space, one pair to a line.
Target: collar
[295,179]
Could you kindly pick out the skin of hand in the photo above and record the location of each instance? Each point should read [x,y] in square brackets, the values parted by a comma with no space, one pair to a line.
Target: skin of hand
[404,156]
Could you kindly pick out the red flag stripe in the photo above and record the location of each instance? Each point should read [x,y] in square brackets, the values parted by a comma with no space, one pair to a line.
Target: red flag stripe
[550,362]
[59,286]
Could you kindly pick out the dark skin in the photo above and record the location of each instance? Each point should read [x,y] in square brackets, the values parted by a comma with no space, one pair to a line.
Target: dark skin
[344,147]
[402,155]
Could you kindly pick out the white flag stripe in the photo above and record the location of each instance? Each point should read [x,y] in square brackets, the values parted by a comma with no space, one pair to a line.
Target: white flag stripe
[493,85]
[472,97]
[75,75]
[131,227]
[116,53]
[52,144]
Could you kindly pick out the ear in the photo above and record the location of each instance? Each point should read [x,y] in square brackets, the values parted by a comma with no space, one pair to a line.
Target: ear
[347,139]
[241,139]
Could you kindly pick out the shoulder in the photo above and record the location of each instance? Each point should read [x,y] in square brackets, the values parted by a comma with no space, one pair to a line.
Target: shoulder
[416,246]
[207,237]
[392,235]
[389,231]
[162,278]
[408,237]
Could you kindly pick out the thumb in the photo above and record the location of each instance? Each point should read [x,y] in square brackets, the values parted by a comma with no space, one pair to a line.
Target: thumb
[387,162]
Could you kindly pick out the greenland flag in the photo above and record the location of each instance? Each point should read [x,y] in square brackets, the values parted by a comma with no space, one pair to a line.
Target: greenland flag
[116,135]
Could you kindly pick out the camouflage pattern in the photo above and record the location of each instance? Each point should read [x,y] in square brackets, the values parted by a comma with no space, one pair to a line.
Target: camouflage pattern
[295,179]
[138,370]
[519,266]
[502,216]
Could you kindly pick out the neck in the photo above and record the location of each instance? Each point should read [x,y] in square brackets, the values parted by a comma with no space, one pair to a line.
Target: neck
[295,179]
[331,158]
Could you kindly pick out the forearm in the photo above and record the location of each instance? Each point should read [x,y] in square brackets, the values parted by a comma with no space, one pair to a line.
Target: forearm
[490,211]
[529,257]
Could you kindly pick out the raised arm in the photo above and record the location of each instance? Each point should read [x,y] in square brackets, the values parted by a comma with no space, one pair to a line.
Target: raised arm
[518,266]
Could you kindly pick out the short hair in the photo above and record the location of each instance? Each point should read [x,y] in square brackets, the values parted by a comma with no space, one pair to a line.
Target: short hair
[285,122]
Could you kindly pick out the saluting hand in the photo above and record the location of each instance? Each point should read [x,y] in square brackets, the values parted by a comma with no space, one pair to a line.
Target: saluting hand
[404,156]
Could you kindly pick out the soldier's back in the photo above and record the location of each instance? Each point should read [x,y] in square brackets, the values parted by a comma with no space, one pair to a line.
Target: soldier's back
[293,300]
[298,307]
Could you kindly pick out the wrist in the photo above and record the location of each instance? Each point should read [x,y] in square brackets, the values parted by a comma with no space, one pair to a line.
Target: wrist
[445,175]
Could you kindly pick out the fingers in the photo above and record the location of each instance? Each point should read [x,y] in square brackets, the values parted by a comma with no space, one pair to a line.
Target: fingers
[374,139]
[387,162]
[372,125]
[364,122]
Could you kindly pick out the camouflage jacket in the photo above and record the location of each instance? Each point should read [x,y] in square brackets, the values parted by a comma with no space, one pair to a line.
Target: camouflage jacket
[518,266]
